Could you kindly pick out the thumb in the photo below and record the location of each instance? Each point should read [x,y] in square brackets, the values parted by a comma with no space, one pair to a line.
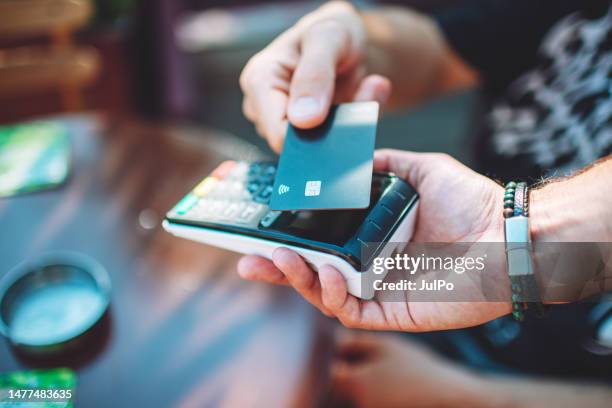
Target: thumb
[410,166]
[312,84]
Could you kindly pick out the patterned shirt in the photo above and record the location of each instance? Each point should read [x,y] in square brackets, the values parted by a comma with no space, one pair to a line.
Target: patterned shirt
[549,107]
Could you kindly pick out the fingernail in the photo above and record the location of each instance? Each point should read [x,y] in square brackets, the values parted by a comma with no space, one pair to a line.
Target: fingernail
[282,257]
[323,278]
[305,107]
[323,282]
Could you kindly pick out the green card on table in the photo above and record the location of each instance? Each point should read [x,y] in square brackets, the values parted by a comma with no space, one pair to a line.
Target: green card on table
[33,156]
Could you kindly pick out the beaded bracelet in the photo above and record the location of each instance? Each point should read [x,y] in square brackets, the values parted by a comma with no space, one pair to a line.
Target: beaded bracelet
[518,253]
[509,199]
[519,199]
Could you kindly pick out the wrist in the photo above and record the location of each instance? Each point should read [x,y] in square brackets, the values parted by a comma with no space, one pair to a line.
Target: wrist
[544,224]
[496,226]
[570,219]
[570,211]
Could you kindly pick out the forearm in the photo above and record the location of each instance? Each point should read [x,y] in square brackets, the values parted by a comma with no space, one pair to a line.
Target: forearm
[572,218]
[409,49]
[503,392]
[574,209]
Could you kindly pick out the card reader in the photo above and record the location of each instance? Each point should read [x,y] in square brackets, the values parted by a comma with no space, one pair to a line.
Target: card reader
[229,209]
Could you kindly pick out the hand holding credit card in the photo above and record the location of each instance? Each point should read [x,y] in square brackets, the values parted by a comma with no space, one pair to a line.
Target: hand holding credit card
[330,166]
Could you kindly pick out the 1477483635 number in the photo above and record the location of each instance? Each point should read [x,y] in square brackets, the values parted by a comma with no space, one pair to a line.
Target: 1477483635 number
[31,394]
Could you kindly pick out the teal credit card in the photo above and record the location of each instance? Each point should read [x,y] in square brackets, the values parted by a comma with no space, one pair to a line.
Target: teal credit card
[52,388]
[330,166]
[33,156]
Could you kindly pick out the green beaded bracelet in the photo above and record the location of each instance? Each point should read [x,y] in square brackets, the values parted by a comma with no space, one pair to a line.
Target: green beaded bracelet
[524,288]
[510,210]
[509,199]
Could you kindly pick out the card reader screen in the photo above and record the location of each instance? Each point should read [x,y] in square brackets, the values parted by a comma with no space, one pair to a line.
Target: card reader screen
[334,227]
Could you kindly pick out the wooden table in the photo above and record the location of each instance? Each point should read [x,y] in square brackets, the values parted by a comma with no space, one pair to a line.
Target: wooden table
[183,329]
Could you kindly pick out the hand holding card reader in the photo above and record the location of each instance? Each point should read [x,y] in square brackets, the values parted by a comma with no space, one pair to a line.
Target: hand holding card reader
[230,209]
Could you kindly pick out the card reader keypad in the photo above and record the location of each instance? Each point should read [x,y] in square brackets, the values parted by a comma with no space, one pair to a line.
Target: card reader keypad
[234,199]
[235,193]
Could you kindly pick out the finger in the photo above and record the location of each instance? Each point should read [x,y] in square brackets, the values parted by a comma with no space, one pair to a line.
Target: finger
[353,312]
[347,84]
[300,276]
[334,288]
[247,109]
[374,88]
[336,298]
[410,166]
[312,83]
[269,105]
[389,160]
[265,84]
[256,268]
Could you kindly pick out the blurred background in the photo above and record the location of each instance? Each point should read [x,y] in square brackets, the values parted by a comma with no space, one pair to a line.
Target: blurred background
[153,85]
[110,111]
[174,61]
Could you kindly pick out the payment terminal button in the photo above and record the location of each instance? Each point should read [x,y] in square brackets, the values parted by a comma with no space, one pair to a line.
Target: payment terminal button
[254,169]
[269,218]
[400,195]
[394,204]
[264,195]
[249,213]
[371,232]
[382,216]
[206,186]
[224,169]
[216,206]
[239,171]
[253,187]
[197,212]
[267,177]
[235,189]
[232,211]
[186,204]
[270,170]
[203,206]
[394,201]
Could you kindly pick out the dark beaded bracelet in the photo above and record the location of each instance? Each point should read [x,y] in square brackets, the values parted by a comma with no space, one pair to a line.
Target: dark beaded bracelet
[515,196]
[525,293]
[519,199]
[509,199]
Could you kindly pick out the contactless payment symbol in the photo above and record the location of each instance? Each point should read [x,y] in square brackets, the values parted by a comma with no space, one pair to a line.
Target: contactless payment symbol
[313,188]
[282,189]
